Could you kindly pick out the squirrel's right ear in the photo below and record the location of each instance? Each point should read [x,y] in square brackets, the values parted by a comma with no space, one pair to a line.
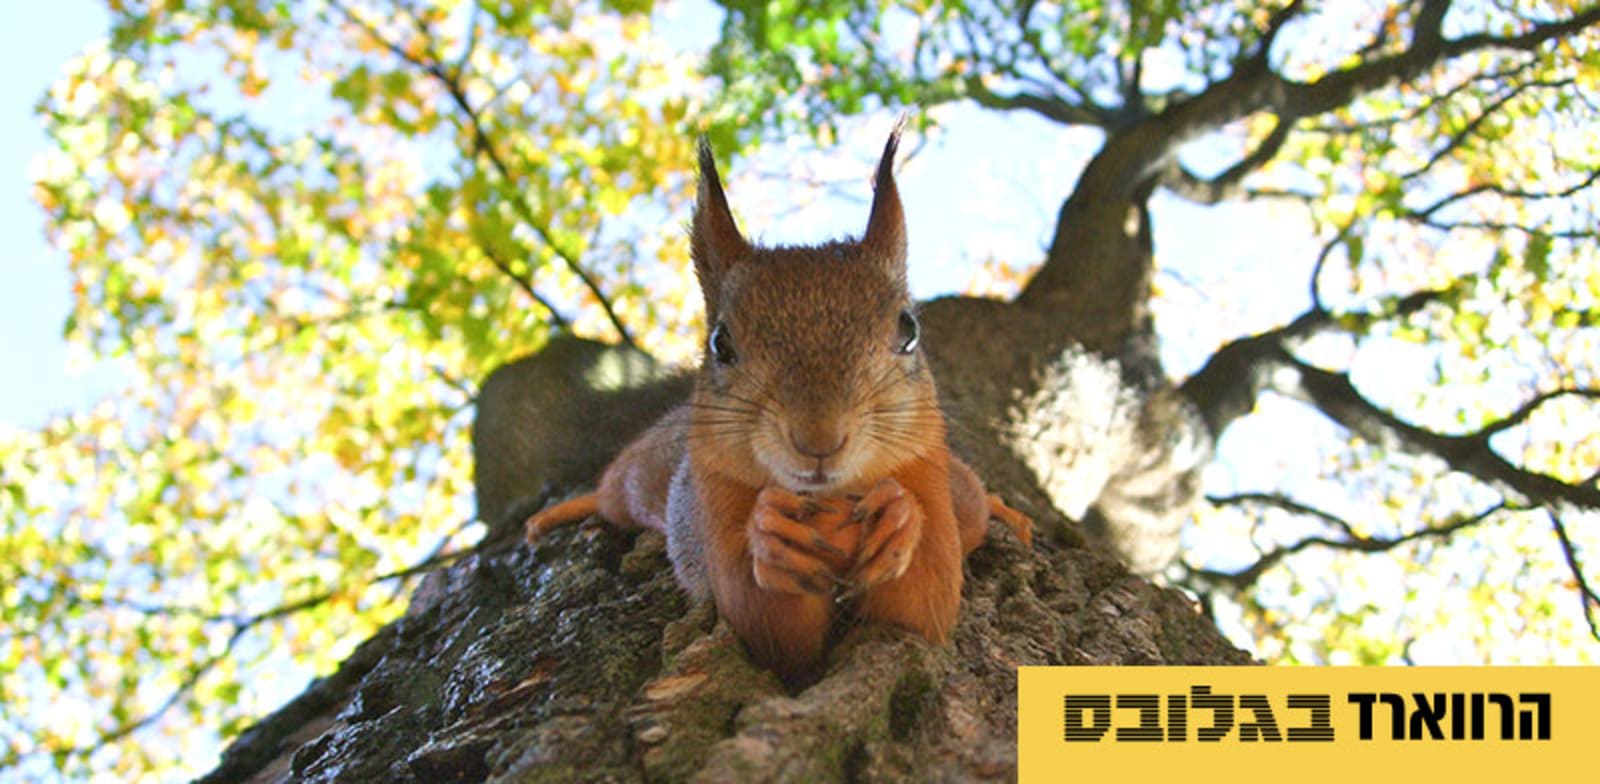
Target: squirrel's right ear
[715,243]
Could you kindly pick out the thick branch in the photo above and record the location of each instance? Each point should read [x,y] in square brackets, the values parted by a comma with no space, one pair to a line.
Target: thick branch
[1256,87]
[1262,362]
[1118,178]
[1227,185]
[1231,381]
[1275,24]
[1427,50]
[1236,375]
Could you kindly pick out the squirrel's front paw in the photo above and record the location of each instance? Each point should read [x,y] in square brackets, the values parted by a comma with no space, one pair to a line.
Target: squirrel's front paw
[798,544]
[893,528]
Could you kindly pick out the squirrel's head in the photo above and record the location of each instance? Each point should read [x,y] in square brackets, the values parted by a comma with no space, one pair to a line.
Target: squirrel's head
[813,374]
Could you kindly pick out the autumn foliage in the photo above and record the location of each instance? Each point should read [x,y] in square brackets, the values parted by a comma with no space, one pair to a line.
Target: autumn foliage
[306,231]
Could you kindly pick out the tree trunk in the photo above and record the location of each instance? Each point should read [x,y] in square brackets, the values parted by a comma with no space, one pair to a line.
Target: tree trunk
[579,658]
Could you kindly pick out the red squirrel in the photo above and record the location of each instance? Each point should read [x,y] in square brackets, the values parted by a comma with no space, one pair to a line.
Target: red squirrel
[809,469]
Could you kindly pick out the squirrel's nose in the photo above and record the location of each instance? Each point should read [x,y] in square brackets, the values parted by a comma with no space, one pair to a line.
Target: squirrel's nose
[818,446]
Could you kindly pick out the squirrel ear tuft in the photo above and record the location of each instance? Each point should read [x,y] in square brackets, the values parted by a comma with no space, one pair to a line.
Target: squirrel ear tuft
[885,237]
[715,243]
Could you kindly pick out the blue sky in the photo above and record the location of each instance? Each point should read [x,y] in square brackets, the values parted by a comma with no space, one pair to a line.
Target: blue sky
[37,39]
[957,215]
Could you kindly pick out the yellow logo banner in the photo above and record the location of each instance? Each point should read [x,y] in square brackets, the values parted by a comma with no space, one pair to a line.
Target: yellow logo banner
[1196,724]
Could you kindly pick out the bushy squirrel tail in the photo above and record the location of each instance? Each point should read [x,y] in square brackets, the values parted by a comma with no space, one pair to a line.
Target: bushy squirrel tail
[569,511]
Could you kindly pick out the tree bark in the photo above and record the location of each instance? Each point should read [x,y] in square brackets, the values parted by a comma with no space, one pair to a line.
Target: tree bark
[580,659]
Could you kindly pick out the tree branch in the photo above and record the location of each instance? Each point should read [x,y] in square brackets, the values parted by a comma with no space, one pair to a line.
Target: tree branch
[484,146]
[1428,104]
[1227,387]
[1524,411]
[1107,209]
[1225,186]
[1048,107]
[1460,137]
[1471,453]
[1275,24]
[1586,593]
[1425,214]
[1428,48]
[1352,541]
[1132,156]
[1062,78]
[242,624]
[1322,263]
[526,285]
[1287,504]
[1500,227]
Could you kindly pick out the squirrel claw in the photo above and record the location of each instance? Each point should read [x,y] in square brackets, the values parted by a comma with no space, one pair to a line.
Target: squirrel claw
[876,499]
[780,580]
[779,566]
[816,541]
[894,528]
[794,544]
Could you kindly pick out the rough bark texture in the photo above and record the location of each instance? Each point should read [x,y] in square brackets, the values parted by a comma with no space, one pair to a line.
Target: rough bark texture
[579,659]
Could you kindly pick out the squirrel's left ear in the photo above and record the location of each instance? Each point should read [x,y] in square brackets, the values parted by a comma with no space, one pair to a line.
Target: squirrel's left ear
[885,237]
[715,243]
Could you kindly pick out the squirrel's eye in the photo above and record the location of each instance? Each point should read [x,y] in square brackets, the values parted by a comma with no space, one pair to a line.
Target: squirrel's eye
[721,345]
[910,333]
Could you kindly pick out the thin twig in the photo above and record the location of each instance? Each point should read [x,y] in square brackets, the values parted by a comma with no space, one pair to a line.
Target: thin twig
[1586,594]
[485,147]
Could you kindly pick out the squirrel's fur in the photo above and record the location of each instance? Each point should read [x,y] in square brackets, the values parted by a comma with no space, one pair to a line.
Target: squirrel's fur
[809,474]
